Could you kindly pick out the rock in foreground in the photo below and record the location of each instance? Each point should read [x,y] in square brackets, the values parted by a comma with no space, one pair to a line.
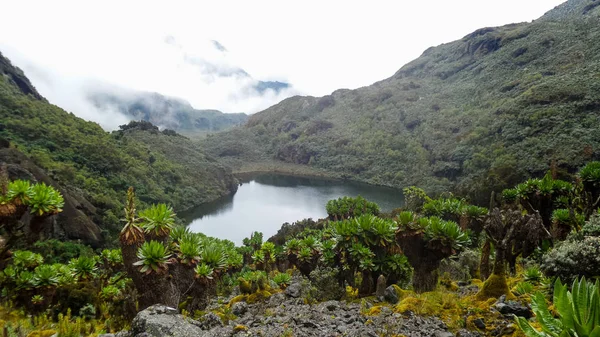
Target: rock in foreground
[282,315]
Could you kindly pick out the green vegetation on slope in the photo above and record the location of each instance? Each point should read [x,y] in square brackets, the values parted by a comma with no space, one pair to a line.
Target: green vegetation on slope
[475,115]
[170,113]
[80,156]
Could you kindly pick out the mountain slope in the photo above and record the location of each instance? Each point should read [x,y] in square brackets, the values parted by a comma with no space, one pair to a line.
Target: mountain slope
[476,114]
[97,167]
[169,113]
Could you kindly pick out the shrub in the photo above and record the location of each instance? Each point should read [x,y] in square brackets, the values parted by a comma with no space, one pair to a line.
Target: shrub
[325,285]
[572,258]
[346,207]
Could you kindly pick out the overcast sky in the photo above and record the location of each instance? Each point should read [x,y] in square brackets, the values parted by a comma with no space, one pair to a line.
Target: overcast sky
[196,49]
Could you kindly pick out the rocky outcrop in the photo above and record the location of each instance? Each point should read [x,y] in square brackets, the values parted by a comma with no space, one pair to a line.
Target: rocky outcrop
[18,78]
[282,315]
[74,222]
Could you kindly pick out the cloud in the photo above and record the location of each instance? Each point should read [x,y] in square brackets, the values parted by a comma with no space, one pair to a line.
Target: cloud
[214,54]
[199,71]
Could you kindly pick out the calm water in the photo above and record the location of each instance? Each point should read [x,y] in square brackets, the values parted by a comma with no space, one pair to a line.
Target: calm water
[264,202]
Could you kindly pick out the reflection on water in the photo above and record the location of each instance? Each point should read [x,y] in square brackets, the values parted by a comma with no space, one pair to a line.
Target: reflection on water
[264,202]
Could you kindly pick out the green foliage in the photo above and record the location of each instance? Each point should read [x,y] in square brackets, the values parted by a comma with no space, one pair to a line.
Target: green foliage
[282,279]
[446,233]
[101,166]
[188,251]
[45,276]
[563,217]
[578,309]
[158,219]
[204,271]
[26,259]
[40,198]
[153,256]
[214,255]
[59,251]
[523,288]
[112,257]
[19,190]
[45,200]
[574,257]
[83,267]
[510,195]
[533,274]
[450,208]
[347,207]
[590,172]
[415,198]
[491,118]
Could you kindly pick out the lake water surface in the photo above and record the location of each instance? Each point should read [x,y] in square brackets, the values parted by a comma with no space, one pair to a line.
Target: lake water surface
[264,202]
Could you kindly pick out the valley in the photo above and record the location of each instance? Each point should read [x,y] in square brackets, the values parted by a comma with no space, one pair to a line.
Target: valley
[459,197]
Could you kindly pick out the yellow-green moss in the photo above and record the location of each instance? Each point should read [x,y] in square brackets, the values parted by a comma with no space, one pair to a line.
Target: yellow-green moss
[494,287]
[239,298]
[258,296]
[402,294]
[239,328]
[42,333]
[245,286]
[373,311]
[351,293]
[477,282]
[413,304]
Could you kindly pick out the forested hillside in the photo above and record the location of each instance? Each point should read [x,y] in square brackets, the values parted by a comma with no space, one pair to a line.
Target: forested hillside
[97,167]
[167,112]
[475,115]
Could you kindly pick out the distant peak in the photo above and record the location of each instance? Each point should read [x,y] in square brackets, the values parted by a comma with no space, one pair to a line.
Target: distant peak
[573,9]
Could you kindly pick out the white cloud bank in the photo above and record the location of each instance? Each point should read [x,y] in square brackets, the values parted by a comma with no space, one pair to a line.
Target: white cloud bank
[197,50]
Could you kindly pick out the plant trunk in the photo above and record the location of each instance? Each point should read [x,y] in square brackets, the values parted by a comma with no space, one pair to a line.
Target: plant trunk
[500,261]
[156,289]
[129,253]
[425,278]
[366,286]
[484,264]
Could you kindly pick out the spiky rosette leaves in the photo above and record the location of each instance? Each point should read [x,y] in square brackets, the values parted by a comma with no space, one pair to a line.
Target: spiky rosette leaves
[282,280]
[188,252]
[83,267]
[214,256]
[45,200]
[204,271]
[153,257]
[446,233]
[19,192]
[25,259]
[590,172]
[45,276]
[158,220]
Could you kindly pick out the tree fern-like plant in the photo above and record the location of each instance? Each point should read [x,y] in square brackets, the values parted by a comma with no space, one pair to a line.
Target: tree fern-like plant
[19,192]
[45,276]
[204,271]
[26,259]
[188,252]
[213,255]
[578,311]
[83,267]
[45,200]
[158,220]
[153,257]
[282,280]
[426,242]
[346,207]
